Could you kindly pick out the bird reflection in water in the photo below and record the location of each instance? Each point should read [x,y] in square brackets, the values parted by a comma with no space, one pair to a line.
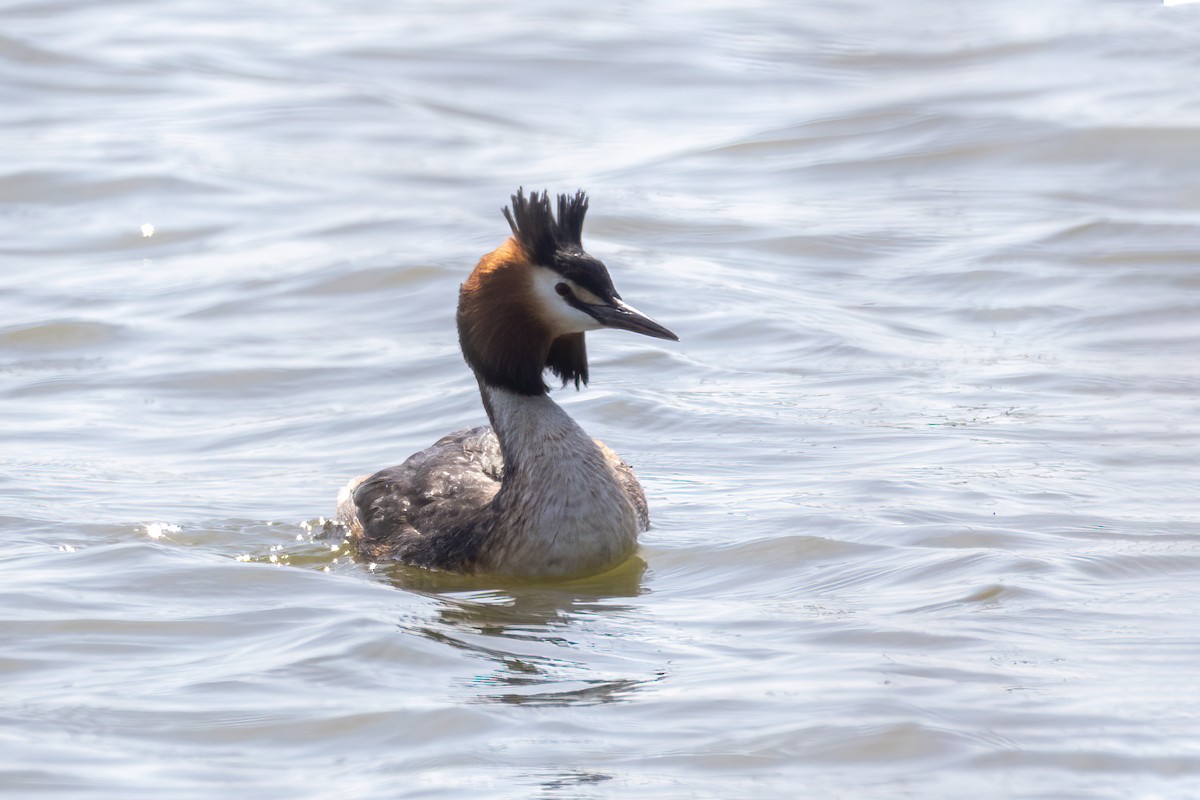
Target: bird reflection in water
[531,635]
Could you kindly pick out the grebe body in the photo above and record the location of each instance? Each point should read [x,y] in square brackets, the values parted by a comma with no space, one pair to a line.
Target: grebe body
[532,496]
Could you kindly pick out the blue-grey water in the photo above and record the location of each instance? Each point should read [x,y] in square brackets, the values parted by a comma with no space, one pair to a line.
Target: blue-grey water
[924,468]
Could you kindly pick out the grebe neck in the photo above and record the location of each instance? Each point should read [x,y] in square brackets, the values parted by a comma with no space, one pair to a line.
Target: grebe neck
[561,507]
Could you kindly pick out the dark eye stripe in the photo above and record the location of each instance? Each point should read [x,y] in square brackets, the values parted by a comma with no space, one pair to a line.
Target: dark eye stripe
[587,272]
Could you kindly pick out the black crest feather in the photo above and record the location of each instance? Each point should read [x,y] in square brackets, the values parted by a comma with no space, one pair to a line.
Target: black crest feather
[538,231]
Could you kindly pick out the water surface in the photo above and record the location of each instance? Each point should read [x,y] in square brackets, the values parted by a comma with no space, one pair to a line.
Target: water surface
[922,468]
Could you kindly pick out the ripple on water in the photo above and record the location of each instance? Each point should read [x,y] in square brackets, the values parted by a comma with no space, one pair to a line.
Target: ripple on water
[60,336]
[921,468]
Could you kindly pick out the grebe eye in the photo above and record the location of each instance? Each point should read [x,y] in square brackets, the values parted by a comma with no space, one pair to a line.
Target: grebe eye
[563,290]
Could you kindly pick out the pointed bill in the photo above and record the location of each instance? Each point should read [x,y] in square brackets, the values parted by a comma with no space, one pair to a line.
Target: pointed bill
[627,318]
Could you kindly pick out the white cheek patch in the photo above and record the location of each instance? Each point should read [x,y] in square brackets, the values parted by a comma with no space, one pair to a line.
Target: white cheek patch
[554,308]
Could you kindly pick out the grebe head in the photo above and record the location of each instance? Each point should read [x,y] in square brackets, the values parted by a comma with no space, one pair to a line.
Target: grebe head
[527,305]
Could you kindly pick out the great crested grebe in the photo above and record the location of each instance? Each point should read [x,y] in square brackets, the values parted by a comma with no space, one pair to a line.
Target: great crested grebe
[533,496]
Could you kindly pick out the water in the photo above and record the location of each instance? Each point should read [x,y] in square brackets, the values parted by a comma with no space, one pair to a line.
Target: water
[923,466]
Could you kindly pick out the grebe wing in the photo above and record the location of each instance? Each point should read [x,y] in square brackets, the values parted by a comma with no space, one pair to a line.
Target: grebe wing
[430,510]
[629,482]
